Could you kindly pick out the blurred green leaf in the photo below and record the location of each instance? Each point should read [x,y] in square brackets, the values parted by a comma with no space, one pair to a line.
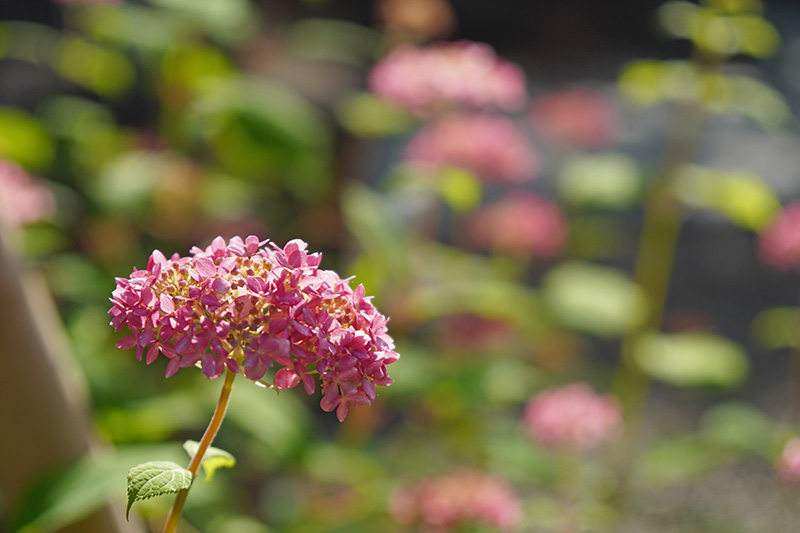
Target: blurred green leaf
[156,478]
[102,70]
[24,140]
[231,21]
[213,458]
[333,40]
[678,460]
[280,423]
[740,427]
[366,115]
[777,327]
[741,197]
[593,298]
[459,188]
[68,495]
[262,130]
[692,359]
[609,181]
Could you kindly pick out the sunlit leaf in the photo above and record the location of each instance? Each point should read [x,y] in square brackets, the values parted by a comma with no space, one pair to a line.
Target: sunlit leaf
[213,458]
[758,38]
[692,359]
[24,140]
[640,81]
[593,298]
[366,115]
[742,197]
[102,70]
[156,478]
[777,327]
[608,181]
[459,188]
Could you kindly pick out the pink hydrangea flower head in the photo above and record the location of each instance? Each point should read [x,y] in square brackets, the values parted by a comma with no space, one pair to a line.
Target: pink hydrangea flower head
[571,417]
[779,242]
[245,307]
[524,224]
[446,75]
[583,118]
[464,497]
[490,146]
[788,465]
[22,199]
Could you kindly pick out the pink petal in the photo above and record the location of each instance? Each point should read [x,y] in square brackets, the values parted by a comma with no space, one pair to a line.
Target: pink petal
[286,378]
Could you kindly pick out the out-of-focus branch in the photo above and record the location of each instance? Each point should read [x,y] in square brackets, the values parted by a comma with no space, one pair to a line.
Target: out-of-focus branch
[43,405]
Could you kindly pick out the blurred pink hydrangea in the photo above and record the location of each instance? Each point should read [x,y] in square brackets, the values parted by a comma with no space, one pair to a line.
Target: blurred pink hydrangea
[779,242]
[571,417]
[523,223]
[788,465]
[22,199]
[244,306]
[584,118]
[491,146]
[457,499]
[445,75]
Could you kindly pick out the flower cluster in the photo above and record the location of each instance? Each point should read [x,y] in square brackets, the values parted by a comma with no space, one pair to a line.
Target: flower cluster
[571,417]
[524,224]
[244,306]
[457,499]
[461,74]
[22,199]
[779,243]
[788,466]
[490,146]
[579,117]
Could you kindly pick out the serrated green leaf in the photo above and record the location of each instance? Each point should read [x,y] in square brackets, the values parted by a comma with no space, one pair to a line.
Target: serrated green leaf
[155,478]
[213,458]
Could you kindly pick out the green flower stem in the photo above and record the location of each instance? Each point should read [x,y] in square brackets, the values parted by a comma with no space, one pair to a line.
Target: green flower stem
[208,437]
[652,272]
[570,472]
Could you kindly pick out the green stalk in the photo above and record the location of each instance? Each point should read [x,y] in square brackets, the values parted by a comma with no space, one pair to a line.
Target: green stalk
[194,465]
[652,272]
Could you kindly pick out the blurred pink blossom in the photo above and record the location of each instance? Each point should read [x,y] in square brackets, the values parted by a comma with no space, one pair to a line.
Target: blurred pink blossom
[579,117]
[779,243]
[22,199]
[491,146]
[572,417]
[464,497]
[461,74]
[788,465]
[522,223]
[243,307]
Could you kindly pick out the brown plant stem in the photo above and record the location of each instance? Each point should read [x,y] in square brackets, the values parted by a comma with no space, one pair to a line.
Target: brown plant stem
[208,437]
